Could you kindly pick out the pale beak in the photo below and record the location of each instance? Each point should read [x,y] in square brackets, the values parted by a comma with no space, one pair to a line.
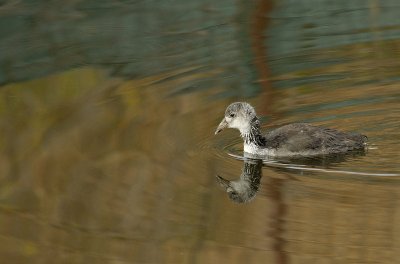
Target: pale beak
[221,126]
[223,182]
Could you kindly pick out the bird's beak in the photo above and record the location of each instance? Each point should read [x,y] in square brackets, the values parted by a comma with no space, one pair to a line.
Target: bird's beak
[223,182]
[221,126]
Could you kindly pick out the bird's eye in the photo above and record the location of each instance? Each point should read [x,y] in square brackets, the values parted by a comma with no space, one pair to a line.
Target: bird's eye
[232,115]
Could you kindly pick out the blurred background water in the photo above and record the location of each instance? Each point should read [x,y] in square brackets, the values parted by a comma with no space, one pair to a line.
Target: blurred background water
[108,112]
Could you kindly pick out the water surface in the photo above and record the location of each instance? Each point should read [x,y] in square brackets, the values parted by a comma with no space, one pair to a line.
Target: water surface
[108,112]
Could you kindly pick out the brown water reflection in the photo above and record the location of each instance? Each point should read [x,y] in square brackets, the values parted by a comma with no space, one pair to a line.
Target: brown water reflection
[116,164]
[100,171]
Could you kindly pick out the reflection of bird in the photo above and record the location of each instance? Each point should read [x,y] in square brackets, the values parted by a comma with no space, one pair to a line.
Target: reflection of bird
[298,139]
[245,188]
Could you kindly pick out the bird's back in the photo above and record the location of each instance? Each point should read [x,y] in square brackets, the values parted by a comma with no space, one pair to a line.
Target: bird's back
[306,139]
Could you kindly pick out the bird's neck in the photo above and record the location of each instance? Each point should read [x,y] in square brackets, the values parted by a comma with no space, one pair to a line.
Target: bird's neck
[252,173]
[252,135]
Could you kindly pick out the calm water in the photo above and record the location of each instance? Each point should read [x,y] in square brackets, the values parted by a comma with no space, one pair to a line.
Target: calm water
[108,112]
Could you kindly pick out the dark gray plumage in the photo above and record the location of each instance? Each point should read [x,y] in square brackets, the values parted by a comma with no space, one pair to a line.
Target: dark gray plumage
[298,139]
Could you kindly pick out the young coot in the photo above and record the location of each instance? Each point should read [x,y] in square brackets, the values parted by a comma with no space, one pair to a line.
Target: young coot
[298,139]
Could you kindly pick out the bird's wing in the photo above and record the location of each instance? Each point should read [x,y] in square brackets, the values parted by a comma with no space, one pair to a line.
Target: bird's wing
[300,136]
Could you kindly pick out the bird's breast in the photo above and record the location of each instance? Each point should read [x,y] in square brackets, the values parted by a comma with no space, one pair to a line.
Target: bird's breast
[256,150]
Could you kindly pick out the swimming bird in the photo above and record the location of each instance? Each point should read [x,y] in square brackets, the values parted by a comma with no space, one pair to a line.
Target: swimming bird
[297,139]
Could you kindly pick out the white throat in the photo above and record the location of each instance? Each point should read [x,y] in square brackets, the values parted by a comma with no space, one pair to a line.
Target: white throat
[241,124]
[244,131]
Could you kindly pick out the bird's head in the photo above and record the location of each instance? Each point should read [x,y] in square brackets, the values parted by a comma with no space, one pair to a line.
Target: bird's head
[239,115]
